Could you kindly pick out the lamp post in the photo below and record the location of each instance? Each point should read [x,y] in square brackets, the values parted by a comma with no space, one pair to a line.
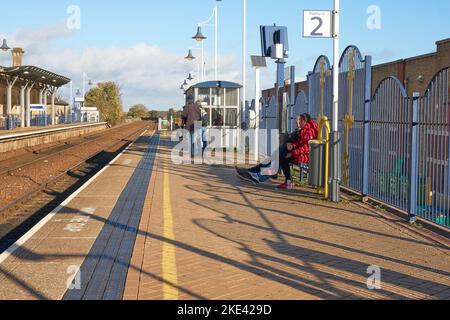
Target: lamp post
[201,38]
[244,68]
[335,136]
[10,84]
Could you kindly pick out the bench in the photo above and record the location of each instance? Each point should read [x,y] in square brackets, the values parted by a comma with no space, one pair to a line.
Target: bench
[304,170]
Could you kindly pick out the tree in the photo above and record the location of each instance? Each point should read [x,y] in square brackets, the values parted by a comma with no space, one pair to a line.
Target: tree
[138,111]
[107,98]
[153,114]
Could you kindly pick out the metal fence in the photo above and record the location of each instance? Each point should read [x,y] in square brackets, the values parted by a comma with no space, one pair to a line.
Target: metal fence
[300,107]
[320,83]
[390,140]
[354,91]
[396,148]
[430,182]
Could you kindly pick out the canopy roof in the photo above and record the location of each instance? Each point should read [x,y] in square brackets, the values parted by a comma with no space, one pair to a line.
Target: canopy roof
[217,84]
[36,74]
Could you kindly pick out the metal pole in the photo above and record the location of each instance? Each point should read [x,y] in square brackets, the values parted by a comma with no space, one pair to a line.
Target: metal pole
[84,84]
[279,94]
[71,102]
[292,100]
[244,62]
[22,105]
[335,137]
[203,63]
[257,110]
[216,42]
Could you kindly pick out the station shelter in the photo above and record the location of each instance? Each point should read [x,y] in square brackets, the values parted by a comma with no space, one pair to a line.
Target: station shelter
[22,87]
[220,101]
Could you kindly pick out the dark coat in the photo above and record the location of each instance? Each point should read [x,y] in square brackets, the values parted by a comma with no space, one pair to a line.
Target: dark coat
[191,113]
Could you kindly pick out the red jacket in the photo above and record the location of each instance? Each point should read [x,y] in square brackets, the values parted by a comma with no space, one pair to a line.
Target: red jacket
[301,147]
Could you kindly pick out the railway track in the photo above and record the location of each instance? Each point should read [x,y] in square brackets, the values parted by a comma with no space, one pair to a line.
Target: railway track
[9,166]
[20,215]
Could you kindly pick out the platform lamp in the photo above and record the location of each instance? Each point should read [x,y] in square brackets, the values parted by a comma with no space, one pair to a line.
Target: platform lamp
[4,46]
[190,56]
[199,37]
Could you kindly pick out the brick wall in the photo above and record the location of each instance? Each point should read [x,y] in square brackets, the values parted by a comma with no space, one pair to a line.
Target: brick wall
[414,73]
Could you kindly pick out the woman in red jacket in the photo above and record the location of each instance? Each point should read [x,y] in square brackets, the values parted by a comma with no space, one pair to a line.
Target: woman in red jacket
[298,152]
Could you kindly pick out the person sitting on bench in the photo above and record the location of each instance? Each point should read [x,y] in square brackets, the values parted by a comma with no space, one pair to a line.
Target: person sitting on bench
[294,151]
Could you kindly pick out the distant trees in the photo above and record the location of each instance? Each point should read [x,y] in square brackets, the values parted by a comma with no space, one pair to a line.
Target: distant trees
[138,111]
[107,98]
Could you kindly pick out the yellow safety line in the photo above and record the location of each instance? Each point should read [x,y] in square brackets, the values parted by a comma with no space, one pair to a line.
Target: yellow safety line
[169,265]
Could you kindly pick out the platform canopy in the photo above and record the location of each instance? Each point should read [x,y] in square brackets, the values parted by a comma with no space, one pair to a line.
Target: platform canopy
[36,74]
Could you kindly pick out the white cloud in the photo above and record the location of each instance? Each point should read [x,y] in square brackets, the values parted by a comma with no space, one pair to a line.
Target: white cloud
[146,73]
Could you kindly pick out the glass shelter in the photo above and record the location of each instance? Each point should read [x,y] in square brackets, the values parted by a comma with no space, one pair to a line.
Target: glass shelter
[220,101]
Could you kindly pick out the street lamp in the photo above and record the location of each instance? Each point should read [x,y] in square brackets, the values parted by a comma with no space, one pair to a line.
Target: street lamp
[190,78]
[200,38]
[191,57]
[4,46]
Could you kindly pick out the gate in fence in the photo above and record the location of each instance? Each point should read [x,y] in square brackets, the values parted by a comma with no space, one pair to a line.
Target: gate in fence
[355,80]
[390,140]
[430,183]
[320,83]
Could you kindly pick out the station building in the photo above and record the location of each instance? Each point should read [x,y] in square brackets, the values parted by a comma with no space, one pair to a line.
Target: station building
[30,91]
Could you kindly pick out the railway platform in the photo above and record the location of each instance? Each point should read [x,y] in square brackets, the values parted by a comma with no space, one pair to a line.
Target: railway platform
[146,229]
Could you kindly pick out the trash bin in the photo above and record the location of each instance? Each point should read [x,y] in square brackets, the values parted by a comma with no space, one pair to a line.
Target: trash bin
[317,163]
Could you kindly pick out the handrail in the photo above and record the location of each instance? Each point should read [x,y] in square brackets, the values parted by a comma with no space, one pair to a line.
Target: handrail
[325,123]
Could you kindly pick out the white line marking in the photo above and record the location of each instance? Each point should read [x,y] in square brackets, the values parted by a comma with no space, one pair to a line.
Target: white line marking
[5,255]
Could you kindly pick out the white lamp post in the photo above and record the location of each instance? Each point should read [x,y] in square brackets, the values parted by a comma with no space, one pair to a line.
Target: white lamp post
[199,37]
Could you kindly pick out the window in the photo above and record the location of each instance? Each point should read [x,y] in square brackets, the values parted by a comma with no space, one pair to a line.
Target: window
[218,117]
[218,98]
[204,95]
[231,117]
[232,97]
[206,119]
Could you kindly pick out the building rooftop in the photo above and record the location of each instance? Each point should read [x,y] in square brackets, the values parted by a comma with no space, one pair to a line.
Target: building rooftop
[35,74]
[217,84]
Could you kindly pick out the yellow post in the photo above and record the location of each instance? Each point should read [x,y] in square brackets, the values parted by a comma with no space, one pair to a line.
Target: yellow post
[325,123]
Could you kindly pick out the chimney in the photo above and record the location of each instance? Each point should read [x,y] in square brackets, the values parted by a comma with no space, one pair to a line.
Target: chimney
[17,54]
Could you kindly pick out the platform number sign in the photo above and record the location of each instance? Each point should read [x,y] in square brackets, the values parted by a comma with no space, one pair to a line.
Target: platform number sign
[317,24]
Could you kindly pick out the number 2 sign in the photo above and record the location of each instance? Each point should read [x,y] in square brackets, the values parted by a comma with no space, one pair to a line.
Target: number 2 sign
[317,24]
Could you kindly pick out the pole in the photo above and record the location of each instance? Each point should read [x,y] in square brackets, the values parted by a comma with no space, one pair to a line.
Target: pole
[291,100]
[216,43]
[279,94]
[84,84]
[203,63]
[71,102]
[257,110]
[244,65]
[335,136]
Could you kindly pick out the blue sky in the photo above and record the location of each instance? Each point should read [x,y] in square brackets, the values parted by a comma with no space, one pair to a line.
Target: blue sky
[141,44]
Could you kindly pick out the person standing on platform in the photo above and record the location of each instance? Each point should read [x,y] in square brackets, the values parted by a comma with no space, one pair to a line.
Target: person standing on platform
[190,115]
